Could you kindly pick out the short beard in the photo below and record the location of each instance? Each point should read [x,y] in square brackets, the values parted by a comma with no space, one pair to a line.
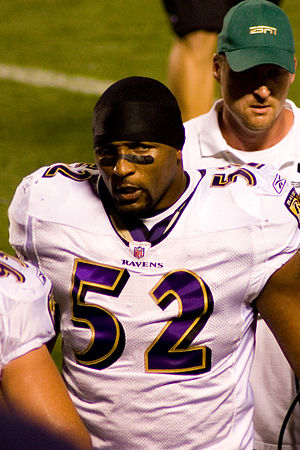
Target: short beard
[127,212]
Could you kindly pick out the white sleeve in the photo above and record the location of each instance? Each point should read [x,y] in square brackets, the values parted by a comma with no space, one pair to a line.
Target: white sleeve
[279,234]
[26,322]
[18,214]
[281,204]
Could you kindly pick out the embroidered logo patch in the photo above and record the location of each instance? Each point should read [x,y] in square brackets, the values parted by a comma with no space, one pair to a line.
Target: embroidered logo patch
[263,29]
[139,249]
[139,252]
[293,204]
[279,183]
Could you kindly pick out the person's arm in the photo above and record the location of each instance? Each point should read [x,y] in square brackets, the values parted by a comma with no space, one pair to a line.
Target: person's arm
[279,306]
[32,385]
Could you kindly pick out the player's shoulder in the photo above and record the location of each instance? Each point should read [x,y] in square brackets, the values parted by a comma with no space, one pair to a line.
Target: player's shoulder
[49,185]
[256,187]
[60,193]
[79,172]
[21,280]
[262,177]
[241,196]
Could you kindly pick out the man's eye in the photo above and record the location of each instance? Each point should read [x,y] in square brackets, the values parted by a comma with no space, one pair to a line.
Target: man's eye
[106,151]
[276,73]
[139,147]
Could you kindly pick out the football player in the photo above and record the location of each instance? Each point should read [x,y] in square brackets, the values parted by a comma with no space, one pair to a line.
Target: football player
[254,121]
[30,382]
[158,273]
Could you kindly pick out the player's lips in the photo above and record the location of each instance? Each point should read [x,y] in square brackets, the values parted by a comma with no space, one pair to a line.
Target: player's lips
[128,193]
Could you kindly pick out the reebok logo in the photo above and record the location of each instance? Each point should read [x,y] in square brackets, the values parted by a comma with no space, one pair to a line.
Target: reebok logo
[262,29]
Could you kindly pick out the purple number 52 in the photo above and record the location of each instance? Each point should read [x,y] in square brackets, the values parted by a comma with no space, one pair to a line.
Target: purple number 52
[171,351]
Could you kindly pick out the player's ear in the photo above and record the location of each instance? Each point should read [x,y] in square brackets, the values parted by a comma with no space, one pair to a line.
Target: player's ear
[217,65]
[179,155]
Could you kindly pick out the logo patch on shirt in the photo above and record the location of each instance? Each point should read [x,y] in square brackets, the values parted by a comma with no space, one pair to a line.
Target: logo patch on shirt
[293,204]
[279,183]
[139,249]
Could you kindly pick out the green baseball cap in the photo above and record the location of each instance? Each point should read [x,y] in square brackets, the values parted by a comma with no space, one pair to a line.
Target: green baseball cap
[257,32]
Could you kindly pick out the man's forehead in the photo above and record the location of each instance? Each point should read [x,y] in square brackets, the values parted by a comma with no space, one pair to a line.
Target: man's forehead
[134,142]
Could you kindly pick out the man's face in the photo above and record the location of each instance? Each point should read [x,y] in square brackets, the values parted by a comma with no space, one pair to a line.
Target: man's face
[141,176]
[254,98]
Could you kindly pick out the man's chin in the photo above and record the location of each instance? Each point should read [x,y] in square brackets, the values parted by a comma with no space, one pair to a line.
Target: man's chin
[132,211]
[259,123]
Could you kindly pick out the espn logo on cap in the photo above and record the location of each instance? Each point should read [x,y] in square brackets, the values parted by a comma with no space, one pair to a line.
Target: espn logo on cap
[262,29]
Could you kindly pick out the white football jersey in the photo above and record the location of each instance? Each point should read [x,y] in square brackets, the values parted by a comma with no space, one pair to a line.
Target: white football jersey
[25,319]
[272,378]
[156,317]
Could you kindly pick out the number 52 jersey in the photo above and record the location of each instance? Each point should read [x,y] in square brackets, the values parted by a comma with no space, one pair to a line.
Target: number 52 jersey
[157,316]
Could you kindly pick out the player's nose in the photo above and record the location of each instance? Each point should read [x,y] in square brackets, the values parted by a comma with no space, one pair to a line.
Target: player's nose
[123,167]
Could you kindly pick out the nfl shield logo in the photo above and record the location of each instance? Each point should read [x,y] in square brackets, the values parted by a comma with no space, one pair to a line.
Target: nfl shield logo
[138,252]
[139,249]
